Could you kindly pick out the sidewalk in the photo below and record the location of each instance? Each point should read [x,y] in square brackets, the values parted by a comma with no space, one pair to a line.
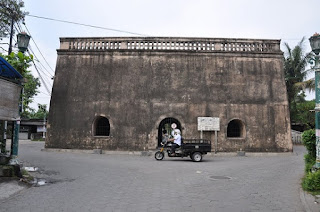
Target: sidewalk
[310,202]
[9,187]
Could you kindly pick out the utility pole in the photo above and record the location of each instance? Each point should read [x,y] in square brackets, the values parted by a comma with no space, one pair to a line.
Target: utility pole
[16,124]
[11,35]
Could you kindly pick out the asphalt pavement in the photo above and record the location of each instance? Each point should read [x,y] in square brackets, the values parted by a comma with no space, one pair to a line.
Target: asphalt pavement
[109,182]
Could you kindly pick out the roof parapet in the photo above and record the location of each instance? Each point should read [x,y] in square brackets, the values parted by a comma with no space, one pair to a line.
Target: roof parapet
[171,44]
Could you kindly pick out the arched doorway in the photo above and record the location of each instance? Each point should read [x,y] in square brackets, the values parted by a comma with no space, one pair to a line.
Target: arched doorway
[236,129]
[165,124]
[101,126]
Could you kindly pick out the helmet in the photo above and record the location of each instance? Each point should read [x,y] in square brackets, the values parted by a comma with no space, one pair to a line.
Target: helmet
[177,131]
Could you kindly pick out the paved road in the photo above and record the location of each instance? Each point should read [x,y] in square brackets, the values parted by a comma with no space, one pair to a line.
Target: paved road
[90,182]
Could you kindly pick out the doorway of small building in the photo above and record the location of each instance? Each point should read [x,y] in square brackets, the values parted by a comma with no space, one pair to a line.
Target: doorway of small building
[165,124]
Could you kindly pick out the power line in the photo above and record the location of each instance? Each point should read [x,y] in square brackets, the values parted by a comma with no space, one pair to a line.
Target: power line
[45,77]
[47,81]
[44,93]
[17,28]
[44,83]
[37,59]
[290,38]
[87,25]
[38,48]
[3,49]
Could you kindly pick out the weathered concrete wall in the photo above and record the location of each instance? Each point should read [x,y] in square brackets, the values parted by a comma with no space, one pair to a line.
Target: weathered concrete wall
[137,88]
[9,100]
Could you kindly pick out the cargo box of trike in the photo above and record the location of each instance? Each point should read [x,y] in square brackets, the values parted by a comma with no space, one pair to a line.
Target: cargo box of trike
[196,145]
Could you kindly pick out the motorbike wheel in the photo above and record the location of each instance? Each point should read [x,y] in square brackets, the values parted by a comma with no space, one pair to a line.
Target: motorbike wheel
[196,157]
[159,155]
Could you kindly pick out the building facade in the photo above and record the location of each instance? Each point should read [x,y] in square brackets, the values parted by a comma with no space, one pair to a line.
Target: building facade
[10,91]
[120,93]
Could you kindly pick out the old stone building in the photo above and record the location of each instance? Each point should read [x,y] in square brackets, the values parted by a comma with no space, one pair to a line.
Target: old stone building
[119,93]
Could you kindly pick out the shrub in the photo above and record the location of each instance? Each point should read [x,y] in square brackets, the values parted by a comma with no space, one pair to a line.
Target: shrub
[309,162]
[311,182]
[309,141]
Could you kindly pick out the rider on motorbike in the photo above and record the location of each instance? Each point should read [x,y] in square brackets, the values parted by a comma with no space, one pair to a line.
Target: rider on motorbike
[176,141]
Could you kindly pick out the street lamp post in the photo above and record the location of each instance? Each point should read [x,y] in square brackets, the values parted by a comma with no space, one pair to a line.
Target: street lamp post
[315,46]
[23,42]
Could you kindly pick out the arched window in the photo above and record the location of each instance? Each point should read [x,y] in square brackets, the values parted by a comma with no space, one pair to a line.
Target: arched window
[236,129]
[165,124]
[102,126]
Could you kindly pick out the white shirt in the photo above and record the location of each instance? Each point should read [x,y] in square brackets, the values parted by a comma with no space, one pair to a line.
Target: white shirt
[177,139]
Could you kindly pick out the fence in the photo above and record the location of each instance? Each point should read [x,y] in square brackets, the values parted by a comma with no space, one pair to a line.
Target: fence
[296,137]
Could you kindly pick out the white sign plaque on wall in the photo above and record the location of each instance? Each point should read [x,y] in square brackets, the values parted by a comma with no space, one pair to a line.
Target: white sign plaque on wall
[208,124]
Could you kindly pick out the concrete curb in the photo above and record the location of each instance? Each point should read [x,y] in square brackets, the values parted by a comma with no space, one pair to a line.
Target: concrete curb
[98,151]
[304,202]
[309,202]
[250,154]
[9,187]
[151,152]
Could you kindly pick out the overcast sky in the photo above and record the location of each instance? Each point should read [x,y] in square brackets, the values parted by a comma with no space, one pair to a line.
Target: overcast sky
[288,20]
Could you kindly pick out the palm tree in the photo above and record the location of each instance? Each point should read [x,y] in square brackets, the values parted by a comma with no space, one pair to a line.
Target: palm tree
[295,63]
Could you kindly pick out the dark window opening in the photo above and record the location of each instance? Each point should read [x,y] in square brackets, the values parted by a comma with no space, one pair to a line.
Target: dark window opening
[235,129]
[102,127]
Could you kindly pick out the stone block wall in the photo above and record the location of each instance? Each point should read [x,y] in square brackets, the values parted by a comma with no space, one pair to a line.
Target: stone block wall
[137,82]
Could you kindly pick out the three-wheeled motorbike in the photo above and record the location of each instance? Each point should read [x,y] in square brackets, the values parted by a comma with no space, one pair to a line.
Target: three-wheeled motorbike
[194,148]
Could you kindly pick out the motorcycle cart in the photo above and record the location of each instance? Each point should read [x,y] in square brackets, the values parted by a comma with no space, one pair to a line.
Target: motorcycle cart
[194,148]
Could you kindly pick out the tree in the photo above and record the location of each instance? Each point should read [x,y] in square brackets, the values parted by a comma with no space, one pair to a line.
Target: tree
[295,62]
[41,113]
[21,63]
[10,10]
[304,114]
